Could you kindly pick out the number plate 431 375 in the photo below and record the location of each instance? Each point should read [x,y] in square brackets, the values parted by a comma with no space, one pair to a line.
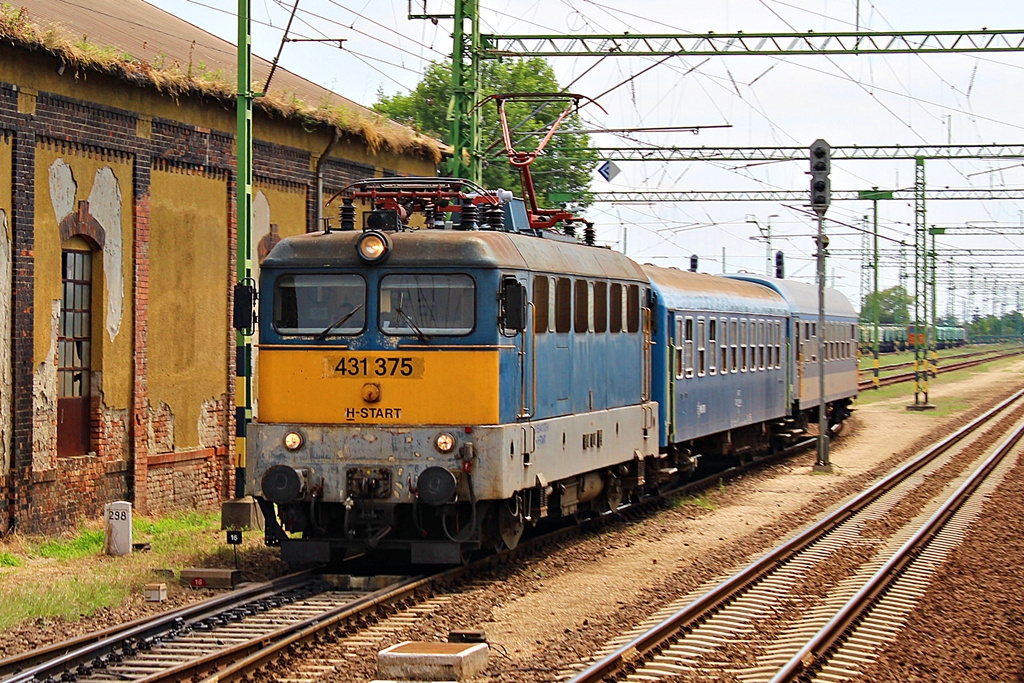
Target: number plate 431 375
[399,367]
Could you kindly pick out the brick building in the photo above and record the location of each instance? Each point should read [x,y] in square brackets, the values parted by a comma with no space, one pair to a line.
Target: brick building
[117,244]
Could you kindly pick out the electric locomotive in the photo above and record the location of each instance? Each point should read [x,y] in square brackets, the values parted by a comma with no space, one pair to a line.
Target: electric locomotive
[435,390]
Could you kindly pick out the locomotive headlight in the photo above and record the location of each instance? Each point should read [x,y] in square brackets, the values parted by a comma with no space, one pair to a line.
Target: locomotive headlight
[444,442]
[293,441]
[373,246]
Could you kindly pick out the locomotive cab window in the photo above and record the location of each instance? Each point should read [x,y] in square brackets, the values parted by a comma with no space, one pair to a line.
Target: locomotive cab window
[427,304]
[328,304]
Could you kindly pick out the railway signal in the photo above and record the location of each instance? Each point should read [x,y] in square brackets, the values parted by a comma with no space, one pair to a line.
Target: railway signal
[821,155]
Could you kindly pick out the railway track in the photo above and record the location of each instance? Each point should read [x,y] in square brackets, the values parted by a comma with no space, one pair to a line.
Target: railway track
[821,605]
[951,367]
[235,634]
[910,363]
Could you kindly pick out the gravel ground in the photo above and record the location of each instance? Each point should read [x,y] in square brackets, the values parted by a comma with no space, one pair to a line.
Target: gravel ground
[541,615]
[544,614]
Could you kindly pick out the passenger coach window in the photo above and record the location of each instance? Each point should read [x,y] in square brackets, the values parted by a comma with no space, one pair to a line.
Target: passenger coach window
[744,340]
[760,344]
[734,346]
[563,304]
[688,347]
[331,304]
[701,349]
[540,303]
[712,345]
[415,304]
[616,308]
[600,307]
[724,363]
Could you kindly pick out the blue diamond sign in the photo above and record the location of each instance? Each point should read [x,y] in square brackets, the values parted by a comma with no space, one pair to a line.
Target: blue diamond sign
[608,170]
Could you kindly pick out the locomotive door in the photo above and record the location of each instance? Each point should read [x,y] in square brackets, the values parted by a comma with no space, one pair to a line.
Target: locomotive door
[514,295]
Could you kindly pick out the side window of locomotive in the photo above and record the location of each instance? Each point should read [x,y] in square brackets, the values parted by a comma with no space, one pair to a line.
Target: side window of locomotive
[540,303]
[615,299]
[563,304]
[331,304]
[427,304]
[581,309]
[814,342]
[600,307]
[688,347]
[633,308]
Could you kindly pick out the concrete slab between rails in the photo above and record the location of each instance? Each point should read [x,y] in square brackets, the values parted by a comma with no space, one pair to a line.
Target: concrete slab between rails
[211,578]
[241,513]
[412,661]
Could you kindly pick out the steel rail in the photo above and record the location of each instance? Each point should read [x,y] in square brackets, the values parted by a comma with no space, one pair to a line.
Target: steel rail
[656,638]
[819,646]
[61,656]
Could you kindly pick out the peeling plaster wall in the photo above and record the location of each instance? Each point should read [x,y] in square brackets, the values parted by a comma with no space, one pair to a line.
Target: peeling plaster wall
[44,399]
[106,206]
[188,336]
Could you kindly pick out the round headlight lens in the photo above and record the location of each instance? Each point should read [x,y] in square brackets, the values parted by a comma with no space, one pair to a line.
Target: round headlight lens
[373,246]
[292,441]
[445,442]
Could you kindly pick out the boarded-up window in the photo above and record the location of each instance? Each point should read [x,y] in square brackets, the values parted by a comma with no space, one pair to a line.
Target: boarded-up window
[540,303]
[633,308]
[563,305]
[615,300]
[600,306]
[582,307]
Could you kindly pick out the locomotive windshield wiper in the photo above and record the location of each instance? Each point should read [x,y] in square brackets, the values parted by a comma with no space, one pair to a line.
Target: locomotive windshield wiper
[419,333]
[337,323]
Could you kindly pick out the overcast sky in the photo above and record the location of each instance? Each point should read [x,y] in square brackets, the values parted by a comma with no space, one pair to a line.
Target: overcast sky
[764,101]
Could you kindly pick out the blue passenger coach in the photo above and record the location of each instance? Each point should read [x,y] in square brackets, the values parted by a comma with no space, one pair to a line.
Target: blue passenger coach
[840,348]
[719,364]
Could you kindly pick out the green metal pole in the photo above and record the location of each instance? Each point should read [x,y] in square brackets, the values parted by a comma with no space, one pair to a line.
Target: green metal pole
[465,119]
[875,378]
[935,329]
[243,223]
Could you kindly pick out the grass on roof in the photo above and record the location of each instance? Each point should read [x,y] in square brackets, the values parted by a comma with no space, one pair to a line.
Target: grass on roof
[378,133]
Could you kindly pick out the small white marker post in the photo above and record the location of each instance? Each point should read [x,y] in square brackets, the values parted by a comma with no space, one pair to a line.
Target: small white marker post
[117,536]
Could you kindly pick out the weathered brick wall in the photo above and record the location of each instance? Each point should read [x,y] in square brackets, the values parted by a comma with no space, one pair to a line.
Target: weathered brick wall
[188,481]
[134,456]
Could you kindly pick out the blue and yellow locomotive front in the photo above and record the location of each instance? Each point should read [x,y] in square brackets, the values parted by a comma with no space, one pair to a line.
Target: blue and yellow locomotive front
[383,370]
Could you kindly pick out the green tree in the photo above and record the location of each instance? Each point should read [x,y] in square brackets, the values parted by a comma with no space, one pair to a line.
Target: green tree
[426,110]
[893,306]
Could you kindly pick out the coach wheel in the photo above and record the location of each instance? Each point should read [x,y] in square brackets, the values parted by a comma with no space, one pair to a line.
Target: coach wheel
[510,521]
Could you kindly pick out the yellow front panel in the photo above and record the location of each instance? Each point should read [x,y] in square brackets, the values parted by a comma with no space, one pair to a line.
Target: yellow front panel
[320,386]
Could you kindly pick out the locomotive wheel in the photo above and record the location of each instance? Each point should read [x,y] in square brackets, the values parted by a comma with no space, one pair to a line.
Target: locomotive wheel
[613,493]
[510,522]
